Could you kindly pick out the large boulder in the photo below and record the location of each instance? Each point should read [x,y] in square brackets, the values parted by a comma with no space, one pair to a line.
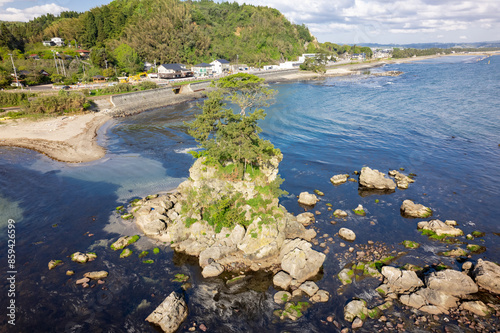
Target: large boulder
[355,308]
[476,307]
[347,234]
[451,282]
[440,228]
[262,241]
[439,301]
[487,275]
[400,281]
[309,287]
[374,179]
[307,199]
[212,270]
[153,225]
[170,313]
[282,280]
[299,260]
[305,219]
[411,209]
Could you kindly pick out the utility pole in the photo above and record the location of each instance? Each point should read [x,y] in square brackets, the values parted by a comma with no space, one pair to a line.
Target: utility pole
[64,68]
[15,72]
[54,54]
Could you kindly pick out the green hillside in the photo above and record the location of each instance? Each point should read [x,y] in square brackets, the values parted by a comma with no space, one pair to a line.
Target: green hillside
[128,32]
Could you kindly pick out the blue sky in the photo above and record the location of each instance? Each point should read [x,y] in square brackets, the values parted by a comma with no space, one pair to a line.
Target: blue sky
[343,21]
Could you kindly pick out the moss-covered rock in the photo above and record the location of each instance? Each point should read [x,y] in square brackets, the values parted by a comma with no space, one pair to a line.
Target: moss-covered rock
[410,244]
[126,253]
[124,241]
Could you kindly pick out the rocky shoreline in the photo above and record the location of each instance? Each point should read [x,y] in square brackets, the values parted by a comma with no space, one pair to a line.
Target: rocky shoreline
[285,250]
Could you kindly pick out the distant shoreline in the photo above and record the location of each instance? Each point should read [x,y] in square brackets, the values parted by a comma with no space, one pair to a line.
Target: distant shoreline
[73,139]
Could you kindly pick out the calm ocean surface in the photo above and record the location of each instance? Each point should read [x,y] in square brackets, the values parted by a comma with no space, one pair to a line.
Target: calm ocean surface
[439,120]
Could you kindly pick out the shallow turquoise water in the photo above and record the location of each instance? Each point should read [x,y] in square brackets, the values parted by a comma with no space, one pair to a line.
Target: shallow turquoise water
[439,120]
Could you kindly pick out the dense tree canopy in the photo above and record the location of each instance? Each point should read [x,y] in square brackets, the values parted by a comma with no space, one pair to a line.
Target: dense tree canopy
[226,136]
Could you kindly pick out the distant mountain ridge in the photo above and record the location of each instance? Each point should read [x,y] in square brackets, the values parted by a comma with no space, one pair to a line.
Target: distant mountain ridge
[464,45]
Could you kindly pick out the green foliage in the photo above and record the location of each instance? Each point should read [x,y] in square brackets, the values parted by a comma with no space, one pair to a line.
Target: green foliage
[156,250]
[14,98]
[143,254]
[228,137]
[223,213]
[127,59]
[316,64]
[56,105]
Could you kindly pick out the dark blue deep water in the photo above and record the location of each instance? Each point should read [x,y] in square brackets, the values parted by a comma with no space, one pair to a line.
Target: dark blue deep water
[439,120]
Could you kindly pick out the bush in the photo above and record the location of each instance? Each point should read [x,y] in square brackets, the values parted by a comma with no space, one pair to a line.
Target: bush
[57,105]
[14,99]
[146,85]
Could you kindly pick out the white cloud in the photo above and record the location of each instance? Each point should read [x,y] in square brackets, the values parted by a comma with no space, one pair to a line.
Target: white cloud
[26,14]
[463,37]
[385,17]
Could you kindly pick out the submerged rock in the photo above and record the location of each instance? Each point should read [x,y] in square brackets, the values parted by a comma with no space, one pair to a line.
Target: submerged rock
[339,179]
[308,199]
[374,179]
[411,209]
[487,275]
[170,314]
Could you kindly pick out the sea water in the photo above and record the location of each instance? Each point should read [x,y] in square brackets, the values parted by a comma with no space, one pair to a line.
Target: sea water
[439,120]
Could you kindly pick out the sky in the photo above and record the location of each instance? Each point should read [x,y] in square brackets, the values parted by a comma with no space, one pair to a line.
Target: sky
[343,21]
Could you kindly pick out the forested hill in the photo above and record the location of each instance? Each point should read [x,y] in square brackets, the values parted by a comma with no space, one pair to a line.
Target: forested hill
[171,31]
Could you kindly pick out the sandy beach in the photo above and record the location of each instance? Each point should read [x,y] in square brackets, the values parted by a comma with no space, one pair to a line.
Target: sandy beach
[73,138]
[70,139]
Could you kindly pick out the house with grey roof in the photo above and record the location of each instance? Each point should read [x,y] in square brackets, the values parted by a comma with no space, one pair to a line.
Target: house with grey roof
[173,71]
[202,69]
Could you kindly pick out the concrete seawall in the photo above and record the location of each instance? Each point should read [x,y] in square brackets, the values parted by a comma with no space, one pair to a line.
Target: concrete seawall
[131,103]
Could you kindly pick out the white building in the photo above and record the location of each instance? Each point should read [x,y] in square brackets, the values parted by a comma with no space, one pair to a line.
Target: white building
[220,66]
[58,41]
